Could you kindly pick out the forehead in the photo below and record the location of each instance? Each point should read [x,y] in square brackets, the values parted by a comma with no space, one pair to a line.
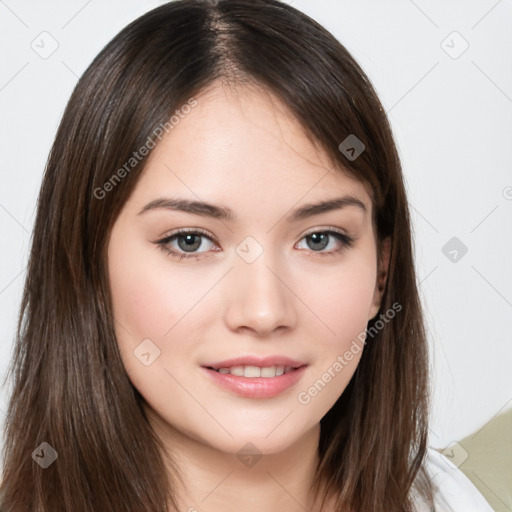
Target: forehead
[242,141]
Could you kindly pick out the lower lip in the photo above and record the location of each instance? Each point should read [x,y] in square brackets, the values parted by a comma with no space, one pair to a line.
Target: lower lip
[256,387]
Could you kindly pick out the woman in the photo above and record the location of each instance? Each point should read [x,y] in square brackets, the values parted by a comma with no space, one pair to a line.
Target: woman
[221,295]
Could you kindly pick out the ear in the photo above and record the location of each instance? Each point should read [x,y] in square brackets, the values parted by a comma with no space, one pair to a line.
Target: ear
[382,277]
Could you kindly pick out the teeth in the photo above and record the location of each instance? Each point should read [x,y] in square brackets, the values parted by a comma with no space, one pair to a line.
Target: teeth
[252,371]
[237,370]
[256,371]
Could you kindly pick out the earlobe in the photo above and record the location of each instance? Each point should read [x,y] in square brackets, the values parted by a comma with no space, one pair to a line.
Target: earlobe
[382,277]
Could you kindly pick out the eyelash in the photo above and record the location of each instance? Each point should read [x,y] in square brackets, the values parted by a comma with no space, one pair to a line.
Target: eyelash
[347,242]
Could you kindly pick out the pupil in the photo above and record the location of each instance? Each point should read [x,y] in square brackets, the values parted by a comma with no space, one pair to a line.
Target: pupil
[189,241]
[316,240]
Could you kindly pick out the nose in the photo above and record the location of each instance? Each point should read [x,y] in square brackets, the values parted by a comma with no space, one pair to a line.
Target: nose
[259,298]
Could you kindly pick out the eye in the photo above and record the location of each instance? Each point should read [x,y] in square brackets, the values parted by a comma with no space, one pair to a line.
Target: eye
[319,240]
[188,242]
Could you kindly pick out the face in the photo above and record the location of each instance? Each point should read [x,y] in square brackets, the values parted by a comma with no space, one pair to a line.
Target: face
[264,282]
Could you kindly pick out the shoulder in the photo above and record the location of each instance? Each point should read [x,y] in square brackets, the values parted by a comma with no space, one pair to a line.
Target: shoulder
[455,492]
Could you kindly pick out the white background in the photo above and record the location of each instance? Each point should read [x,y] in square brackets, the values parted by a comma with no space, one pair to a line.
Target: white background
[452,119]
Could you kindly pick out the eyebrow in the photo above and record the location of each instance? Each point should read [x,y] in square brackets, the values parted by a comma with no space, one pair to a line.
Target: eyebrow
[224,213]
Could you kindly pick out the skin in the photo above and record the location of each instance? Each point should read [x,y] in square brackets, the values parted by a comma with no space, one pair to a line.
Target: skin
[241,149]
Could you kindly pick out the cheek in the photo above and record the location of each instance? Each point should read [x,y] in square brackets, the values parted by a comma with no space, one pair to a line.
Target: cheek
[340,299]
[148,299]
[141,300]
[340,302]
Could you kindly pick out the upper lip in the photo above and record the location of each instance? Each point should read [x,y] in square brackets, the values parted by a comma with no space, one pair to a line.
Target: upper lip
[261,362]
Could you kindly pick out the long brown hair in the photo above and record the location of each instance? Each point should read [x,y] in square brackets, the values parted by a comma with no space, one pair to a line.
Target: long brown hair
[70,388]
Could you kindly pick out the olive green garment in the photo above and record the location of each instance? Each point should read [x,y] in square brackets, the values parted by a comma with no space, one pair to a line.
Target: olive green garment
[486,457]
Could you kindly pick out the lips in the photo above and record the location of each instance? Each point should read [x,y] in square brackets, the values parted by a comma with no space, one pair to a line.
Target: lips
[255,387]
[255,377]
